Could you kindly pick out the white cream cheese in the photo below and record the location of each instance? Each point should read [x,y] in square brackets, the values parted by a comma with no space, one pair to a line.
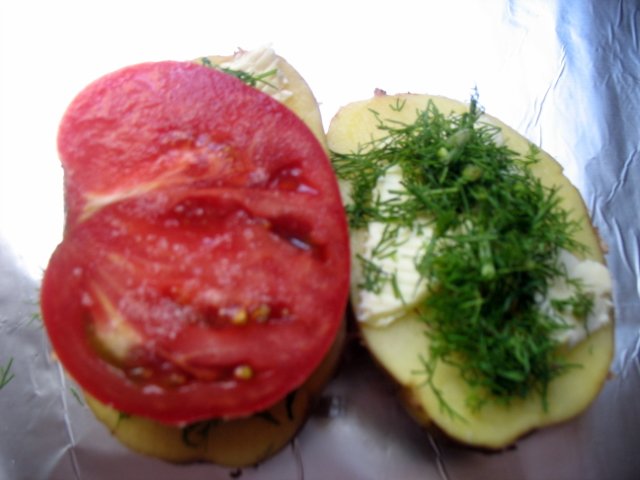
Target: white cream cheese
[596,282]
[394,299]
[402,286]
[258,62]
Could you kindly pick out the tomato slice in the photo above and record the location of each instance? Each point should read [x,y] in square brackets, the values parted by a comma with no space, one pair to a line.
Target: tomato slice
[178,123]
[210,287]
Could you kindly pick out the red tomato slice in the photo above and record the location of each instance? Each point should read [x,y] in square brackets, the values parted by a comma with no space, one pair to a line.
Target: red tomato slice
[178,123]
[194,295]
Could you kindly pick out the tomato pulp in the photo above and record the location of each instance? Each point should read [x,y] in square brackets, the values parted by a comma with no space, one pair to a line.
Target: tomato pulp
[204,267]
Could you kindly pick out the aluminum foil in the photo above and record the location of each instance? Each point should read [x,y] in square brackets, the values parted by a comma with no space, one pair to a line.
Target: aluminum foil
[564,74]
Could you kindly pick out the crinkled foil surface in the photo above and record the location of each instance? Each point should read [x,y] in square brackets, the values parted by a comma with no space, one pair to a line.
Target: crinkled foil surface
[566,74]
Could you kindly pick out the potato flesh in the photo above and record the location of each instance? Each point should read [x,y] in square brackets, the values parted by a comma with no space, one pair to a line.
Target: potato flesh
[398,346]
[234,443]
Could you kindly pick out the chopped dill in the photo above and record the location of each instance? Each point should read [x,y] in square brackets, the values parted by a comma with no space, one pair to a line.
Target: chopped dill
[251,79]
[76,394]
[5,374]
[497,236]
[36,315]
[289,401]
[579,305]
[195,435]
[268,416]
[35,318]
[429,369]
[122,416]
[373,276]
[398,105]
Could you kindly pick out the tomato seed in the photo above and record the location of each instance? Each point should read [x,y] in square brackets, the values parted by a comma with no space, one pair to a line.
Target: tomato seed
[140,373]
[261,313]
[237,315]
[243,372]
[176,379]
[240,317]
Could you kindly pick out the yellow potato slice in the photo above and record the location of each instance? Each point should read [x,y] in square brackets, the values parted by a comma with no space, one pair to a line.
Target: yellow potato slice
[397,347]
[233,443]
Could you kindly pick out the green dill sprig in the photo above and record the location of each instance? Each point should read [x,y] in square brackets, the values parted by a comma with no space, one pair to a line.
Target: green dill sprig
[77,395]
[373,275]
[251,79]
[580,305]
[195,435]
[497,235]
[35,318]
[122,416]
[36,314]
[5,374]
[362,176]
[429,370]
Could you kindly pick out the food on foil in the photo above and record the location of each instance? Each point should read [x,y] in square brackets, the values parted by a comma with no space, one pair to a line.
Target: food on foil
[478,281]
[198,294]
